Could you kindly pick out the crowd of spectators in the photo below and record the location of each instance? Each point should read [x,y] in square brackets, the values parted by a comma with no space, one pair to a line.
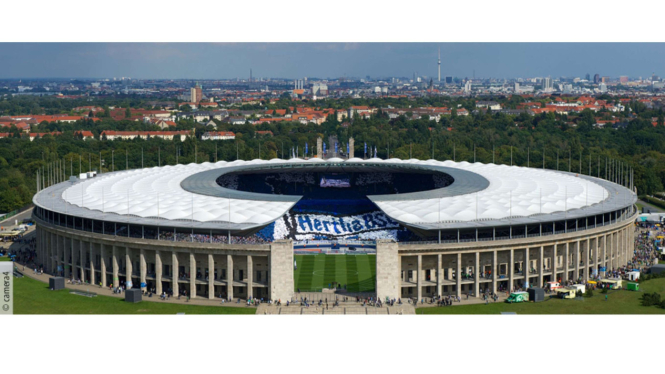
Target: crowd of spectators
[364,179]
[206,238]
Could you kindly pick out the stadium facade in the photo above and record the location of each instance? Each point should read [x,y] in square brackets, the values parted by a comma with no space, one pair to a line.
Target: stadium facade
[229,229]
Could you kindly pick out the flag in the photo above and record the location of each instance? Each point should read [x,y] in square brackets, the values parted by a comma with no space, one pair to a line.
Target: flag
[297,151]
[348,150]
[306,150]
[336,148]
[365,148]
[324,148]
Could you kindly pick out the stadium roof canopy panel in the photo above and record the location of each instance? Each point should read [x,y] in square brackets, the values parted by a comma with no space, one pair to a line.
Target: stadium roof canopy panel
[481,195]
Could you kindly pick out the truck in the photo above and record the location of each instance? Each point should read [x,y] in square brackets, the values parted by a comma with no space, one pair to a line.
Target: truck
[579,287]
[566,293]
[518,297]
[611,283]
[553,285]
[633,275]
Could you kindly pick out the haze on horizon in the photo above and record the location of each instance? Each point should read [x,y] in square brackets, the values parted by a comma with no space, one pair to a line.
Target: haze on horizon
[327,60]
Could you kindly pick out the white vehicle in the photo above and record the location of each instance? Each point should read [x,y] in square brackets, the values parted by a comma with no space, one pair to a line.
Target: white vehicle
[632,275]
[553,285]
[579,287]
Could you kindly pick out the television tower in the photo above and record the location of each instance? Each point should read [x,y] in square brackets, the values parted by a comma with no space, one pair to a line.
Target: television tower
[439,63]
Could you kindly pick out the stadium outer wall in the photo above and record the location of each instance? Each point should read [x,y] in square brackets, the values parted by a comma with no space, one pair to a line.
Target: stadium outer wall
[425,270]
[239,270]
[402,270]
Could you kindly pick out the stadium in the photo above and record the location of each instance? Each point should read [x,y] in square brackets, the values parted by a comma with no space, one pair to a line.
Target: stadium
[396,228]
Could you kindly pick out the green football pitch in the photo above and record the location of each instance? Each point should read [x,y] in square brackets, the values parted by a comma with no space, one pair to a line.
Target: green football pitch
[314,272]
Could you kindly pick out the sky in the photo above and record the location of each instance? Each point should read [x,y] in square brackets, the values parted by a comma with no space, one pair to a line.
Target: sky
[327,60]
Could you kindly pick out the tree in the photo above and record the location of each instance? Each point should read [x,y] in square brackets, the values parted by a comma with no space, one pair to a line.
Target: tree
[128,113]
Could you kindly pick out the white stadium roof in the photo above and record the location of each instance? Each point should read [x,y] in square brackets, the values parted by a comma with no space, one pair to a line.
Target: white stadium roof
[512,192]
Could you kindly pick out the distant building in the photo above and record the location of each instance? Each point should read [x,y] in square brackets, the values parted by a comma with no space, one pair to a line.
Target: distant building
[493,105]
[320,89]
[467,86]
[84,134]
[449,80]
[547,84]
[196,94]
[596,78]
[128,135]
[623,79]
[218,135]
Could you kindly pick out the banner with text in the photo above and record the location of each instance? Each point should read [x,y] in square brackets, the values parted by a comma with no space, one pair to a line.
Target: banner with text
[373,225]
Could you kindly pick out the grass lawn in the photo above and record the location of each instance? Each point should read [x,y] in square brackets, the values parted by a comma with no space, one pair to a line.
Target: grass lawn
[619,302]
[34,297]
[357,272]
[639,206]
[4,258]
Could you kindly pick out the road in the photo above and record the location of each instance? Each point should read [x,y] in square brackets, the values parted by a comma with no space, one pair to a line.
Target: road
[11,222]
[654,209]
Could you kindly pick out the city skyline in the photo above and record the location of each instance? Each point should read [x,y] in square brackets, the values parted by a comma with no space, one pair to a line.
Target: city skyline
[326,60]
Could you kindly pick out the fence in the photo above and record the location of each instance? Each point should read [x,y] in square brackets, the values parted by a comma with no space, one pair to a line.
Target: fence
[15,212]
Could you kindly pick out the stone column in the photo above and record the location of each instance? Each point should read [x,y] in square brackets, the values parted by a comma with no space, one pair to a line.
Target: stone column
[116,269]
[615,245]
[476,276]
[541,268]
[158,272]
[624,235]
[128,268]
[192,275]
[577,261]
[495,268]
[211,277]
[68,264]
[554,248]
[419,281]
[458,275]
[59,246]
[250,277]
[174,274]
[511,270]
[439,275]
[48,263]
[526,268]
[74,271]
[92,263]
[82,259]
[566,263]
[229,275]
[143,269]
[587,258]
[281,269]
[605,251]
[102,263]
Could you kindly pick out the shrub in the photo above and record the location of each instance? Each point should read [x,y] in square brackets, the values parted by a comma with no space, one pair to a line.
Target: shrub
[589,292]
[649,299]
[579,293]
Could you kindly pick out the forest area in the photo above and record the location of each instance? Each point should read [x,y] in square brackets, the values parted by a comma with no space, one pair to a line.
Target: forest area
[552,140]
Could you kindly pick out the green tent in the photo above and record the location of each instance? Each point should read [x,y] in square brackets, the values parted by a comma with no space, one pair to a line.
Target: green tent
[633,286]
